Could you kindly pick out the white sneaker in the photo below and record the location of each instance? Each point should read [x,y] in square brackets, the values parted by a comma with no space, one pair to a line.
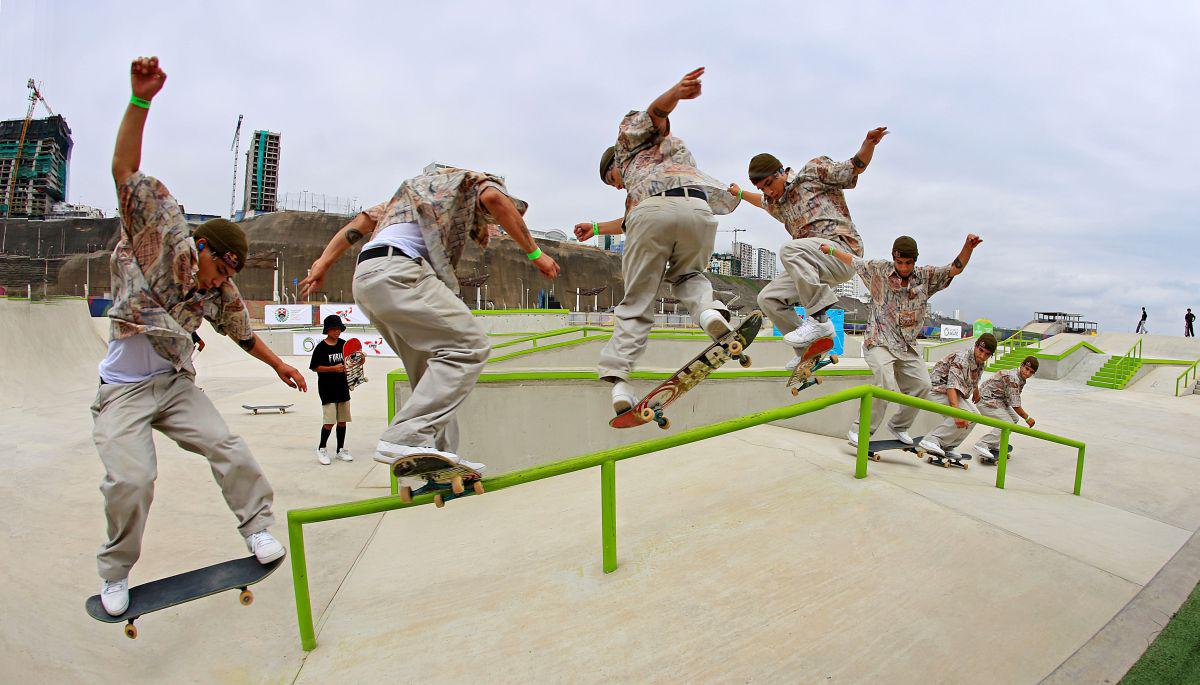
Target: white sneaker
[344,455]
[932,448]
[389,453]
[264,546]
[623,398]
[902,436]
[791,365]
[852,436]
[809,332]
[114,595]
[984,452]
[713,322]
[323,456]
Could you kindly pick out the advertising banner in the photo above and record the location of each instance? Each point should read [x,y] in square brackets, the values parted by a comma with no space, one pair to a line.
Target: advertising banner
[287,314]
[349,313]
[373,345]
[951,332]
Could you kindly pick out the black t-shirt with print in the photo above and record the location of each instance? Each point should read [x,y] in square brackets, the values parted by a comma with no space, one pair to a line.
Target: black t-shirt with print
[331,385]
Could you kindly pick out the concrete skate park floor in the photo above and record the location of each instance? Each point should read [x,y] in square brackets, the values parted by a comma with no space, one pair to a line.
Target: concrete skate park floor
[755,555]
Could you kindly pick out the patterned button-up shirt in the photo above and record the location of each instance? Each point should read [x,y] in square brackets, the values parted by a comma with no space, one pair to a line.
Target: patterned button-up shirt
[1003,389]
[813,205]
[652,162]
[445,204]
[153,271]
[959,371]
[898,308]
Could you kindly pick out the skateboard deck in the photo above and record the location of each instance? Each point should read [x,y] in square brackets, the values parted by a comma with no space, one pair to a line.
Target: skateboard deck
[444,478]
[811,361]
[731,346]
[355,362]
[185,587]
[876,446]
[952,458]
[282,408]
[995,456]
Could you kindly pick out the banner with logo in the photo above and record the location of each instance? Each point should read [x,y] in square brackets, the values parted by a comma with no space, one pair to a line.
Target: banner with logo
[373,345]
[951,332]
[287,314]
[349,312]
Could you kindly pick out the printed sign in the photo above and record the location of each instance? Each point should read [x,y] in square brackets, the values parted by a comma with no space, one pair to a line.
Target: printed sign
[951,332]
[373,345]
[349,313]
[287,314]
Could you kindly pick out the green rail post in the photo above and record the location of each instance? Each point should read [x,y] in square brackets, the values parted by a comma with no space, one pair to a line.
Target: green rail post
[395,482]
[864,435]
[308,638]
[1002,464]
[608,514]
[1079,471]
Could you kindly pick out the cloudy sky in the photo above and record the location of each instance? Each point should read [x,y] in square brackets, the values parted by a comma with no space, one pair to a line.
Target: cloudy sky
[1063,133]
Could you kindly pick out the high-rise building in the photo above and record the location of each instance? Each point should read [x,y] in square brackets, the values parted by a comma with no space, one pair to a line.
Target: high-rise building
[746,260]
[766,264]
[853,288]
[262,173]
[45,161]
[721,264]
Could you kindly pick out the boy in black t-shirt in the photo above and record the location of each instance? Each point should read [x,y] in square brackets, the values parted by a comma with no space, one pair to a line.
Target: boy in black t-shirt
[327,361]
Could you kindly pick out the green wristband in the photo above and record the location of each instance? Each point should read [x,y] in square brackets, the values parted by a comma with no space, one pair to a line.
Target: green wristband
[139,102]
[595,228]
[739,193]
[537,252]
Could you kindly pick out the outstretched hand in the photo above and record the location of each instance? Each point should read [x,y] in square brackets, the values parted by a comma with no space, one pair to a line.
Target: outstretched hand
[289,375]
[876,134]
[973,241]
[146,77]
[584,231]
[316,276]
[688,87]
[547,266]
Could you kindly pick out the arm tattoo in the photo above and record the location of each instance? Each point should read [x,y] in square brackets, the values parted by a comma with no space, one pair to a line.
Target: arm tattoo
[353,236]
[659,113]
[958,264]
[248,343]
[858,163]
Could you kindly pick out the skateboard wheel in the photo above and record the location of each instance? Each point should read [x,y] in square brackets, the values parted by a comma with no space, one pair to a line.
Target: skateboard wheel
[833,359]
[735,348]
[456,485]
[405,494]
[816,380]
[131,631]
[477,486]
[647,414]
[246,597]
[873,457]
[744,361]
[965,465]
[795,391]
[438,501]
[665,423]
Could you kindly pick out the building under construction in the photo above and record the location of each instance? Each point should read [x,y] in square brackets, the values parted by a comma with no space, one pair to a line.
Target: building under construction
[262,174]
[44,162]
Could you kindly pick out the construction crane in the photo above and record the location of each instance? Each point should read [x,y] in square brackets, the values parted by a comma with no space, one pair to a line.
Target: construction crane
[237,142]
[734,231]
[35,96]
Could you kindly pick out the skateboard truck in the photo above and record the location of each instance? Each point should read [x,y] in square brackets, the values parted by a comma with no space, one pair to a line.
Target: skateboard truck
[812,379]
[442,492]
[656,415]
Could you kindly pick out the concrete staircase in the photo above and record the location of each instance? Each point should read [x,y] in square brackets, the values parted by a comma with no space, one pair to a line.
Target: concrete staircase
[1116,373]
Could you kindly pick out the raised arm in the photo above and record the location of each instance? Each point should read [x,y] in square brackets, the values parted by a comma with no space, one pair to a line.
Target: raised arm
[862,158]
[753,198]
[960,262]
[505,212]
[842,256]
[688,88]
[361,225]
[146,79]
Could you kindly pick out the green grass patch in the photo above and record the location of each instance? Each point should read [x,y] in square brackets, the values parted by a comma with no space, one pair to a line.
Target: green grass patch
[1174,656]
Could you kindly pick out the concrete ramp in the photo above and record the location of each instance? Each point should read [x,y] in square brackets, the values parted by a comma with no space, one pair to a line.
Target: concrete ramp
[50,349]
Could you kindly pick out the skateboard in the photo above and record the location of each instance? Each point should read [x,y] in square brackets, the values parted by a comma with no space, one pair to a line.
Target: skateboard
[876,446]
[355,362]
[952,458]
[256,407]
[444,478]
[167,592]
[995,456]
[811,362]
[732,345]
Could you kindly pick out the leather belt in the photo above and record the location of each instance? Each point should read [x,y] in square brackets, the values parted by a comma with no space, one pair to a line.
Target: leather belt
[381,251]
[684,192]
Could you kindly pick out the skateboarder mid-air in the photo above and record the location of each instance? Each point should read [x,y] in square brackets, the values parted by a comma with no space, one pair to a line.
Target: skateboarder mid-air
[405,284]
[329,362]
[899,292]
[166,280]
[670,231]
[1000,398]
[955,381]
[813,210]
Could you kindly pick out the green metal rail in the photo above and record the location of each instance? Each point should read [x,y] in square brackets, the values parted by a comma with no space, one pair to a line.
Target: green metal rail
[1183,377]
[606,460]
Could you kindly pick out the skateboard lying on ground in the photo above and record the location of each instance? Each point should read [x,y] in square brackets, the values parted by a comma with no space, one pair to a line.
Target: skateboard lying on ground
[167,592]
[811,362]
[256,407]
[732,345]
[444,478]
[952,458]
[995,456]
[355,362]
[876,446]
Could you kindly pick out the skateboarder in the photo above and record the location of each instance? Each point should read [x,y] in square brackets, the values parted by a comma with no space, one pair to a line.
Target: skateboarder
[1141,327]
[813,210]
[1188,319]
[955,381]
[329,363]
[166,281]
[670,231]
[1000,398]
[899,291]
[405,284]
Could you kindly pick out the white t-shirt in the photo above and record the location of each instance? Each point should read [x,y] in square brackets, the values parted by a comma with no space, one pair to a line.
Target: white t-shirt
[132,360]
[405,237]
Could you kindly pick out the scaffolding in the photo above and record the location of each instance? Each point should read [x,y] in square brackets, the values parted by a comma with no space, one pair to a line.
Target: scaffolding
[34,161]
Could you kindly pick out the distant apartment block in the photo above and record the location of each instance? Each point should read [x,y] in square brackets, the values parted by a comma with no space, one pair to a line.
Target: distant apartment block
[33,176]
[262,173]
[765,264]
[722,264]
[853,288]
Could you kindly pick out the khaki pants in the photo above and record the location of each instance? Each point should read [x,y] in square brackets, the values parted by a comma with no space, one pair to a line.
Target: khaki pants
[947,434]
[991,440]
[904,373]
[806,281]
[441,344]
[667,239]
[124,414]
